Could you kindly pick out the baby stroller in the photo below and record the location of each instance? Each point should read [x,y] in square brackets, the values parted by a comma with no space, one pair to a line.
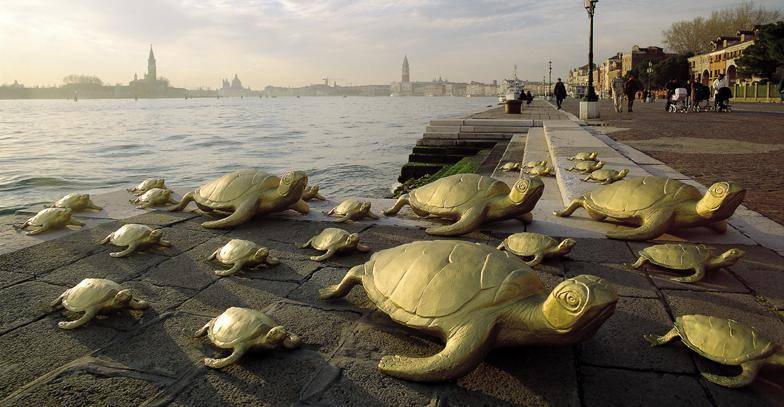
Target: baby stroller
[722,103]
[701,100]
[679,100]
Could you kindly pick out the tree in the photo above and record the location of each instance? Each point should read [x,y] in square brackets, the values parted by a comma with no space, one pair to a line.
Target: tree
[766,54]
[82,80]
[696,35]
[675,67]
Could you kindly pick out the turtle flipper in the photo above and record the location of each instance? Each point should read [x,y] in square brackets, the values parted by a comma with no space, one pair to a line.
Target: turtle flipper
[699,274]
[470,220]
[243,213]
[352,278]
[306,244]
[186,199]
[399,204]
[107,238]
[233,270]
[538,257]
[656,340]
[301,207]
[128,250]
[58,301]
[372,215]
[86,317]
[203,330]
[569,210]
[239,350]
[328,254]
[637,264]
[464,350]
[363,248]
[750,370]
[74,222]
[652,227]
[214,254]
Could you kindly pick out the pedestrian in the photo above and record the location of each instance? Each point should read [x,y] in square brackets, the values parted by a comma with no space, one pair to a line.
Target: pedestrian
[689,89]
[719,83]
[630,89]
[559,90]
[670,86]
[617,93]
[529,98]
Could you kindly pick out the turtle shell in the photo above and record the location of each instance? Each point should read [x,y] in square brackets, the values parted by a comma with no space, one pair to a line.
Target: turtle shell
[722,340]
[678,256]
[532,164]
[585,165]
[329,237]
[348,205]
[459,189]
[130,233]
[528,243]
[420,282]
[56,215]
[237,325]
[90,292]
[155,195]
[630,195]
[603,174]
[232,187]
[510,166]
[237,249]
[74,200]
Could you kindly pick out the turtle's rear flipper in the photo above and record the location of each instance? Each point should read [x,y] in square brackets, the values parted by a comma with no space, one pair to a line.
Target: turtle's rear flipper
[750,370]
[656,340]
[352,278]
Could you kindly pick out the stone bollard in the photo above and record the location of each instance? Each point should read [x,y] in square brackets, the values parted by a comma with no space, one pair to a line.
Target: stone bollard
[513,106]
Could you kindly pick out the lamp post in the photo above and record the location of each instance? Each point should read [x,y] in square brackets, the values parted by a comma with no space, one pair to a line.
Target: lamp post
[550,80]
[590,96]
[650,71]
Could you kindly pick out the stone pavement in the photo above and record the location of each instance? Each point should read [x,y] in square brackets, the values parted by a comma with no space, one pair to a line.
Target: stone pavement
[151,358]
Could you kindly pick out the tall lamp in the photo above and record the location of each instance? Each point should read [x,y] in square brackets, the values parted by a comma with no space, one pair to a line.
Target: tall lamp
[590,7]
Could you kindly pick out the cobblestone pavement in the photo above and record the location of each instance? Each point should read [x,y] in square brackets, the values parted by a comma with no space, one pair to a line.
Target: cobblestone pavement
[746,145]
[151,357]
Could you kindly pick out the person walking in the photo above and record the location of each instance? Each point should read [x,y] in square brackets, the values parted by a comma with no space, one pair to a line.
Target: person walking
[630,89]
[671,86]
[559,90]
[529,98]
[616,86]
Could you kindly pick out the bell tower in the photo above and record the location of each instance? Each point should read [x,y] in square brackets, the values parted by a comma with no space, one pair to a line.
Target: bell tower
[152,72]
[406,77]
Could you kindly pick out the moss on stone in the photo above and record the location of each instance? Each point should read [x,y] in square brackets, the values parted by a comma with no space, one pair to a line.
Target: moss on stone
[464,166]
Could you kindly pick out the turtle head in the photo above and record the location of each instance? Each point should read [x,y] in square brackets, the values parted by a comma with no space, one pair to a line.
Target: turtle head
[731,256]
[156,235]
[622,173]
[352,240]
[526,191]
[279,336]
[293,182]
[122,298]
[566,245]
[592,155]
[261,254]
[364,207]
[599,165]
[721,200]
[577,307]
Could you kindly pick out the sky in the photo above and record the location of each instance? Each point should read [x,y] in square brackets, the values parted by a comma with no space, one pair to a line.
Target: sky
[299,42]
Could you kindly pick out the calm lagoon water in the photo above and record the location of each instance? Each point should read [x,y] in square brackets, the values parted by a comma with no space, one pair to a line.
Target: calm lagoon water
[350,146]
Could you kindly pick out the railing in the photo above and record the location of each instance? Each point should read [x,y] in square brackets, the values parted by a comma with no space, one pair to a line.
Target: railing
[754,92]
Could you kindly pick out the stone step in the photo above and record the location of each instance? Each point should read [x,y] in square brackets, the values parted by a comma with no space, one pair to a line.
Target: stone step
[447,122]
[452,142]
[418,170]
[486,136]
[442,136]
[436,158]
[499,122]
[443,129]
[494,129]
[457,150]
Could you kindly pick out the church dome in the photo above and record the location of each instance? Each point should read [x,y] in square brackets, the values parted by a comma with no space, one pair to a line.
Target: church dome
[236,83]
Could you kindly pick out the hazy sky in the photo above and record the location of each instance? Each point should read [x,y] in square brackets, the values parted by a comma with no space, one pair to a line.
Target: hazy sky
[297,42]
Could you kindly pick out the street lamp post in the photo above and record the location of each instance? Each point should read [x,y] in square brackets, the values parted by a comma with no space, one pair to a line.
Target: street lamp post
[650,71]
[550,79]
[590,96]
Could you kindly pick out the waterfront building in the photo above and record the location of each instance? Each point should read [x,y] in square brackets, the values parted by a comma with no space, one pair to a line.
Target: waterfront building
[721,59]
[608,70]
[577,81]
[151,86]
[233,88]
[641,55]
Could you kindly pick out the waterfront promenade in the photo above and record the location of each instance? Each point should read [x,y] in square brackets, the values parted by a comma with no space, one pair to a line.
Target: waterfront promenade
[151,357]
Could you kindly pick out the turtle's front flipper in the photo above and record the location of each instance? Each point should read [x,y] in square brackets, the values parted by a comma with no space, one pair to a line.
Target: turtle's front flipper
[538,257]
[352,278]
[656,340]
[750,370]
[234,269]
[130,249]
[57,303]
[86,317]
[569,210]
[241,214]
[637,264]
[107,238]
[464,350]
[41,229]
[328,254]
[203,330]
[306,244]
[718,227]
[301,207]
[470,220]
[186,199]
[345,218]
[399,204]
[239,350]
[699,274]
[654,226]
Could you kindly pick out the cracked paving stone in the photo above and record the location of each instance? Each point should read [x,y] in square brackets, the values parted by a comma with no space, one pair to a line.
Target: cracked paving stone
[101,265]
[766,390]
[8,278]
[308,292]
[377,336]
[763,271]
[626,282]
[619,342]
[385,237]
[601,251]
[188,270]
[289,269]
[85,389]
[25,302]
[41,346]
[237,292]
[183,239]
[317,328]
[618,387]
[160,218]
[160,298]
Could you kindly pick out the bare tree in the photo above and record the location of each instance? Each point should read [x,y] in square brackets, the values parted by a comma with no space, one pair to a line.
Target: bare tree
[696,35]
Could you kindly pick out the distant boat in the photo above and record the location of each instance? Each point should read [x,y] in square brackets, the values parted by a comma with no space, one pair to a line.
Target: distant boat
[513,88]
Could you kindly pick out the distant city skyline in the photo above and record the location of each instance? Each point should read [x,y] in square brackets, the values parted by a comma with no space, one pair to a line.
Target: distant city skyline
[294,43]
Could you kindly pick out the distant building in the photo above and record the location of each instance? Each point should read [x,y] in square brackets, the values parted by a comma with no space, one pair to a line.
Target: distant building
[233,88]
[150,86]
[639,55]
[438,87]
[577,81]
[721,59]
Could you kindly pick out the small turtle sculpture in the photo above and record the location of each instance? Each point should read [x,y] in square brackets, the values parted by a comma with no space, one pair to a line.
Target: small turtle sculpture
[511,166]
[147,185]
[584,156]
[471,199]
[76,202]
[727,342]
[586,166]
[246,193]
[532,164]
[94,295]
[243,329]
[606,176]
[239,253]
[334,240]
[352,209]
[475,298]
[312,192]
[136,237]
[154,197]
[538,246]
[541,171]
[685,256]
[48,219]
[657,205]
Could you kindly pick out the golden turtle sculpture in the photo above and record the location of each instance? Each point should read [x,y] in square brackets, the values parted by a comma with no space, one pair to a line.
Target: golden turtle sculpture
[606,176]
[352,209]
[334,240]
[48,219]
[586,166]
[686,256]
[584,156]
[532,164]
[240,253]
[76,202]
[136,237]
[511,166]
[475,298]
[471,199]
[536,245]
[93,296]
[243,329]
[541,171]
[153,197]
[657,205]
[312,192]
[246,193]
[727,342]
[147,185]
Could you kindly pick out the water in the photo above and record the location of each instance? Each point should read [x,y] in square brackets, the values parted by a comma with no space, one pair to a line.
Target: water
[350,146]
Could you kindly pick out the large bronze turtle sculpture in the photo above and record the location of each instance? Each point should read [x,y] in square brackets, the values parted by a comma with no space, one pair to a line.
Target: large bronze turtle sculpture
[471,199]
[657,205]
[687,256]
[246,193]
[475,298]
[243,329]
[727,342]
[94,295]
